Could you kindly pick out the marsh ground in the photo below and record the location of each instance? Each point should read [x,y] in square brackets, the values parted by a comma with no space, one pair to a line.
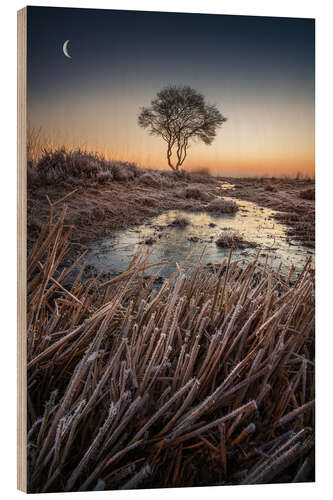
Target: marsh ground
[96,207]
[215,365]
[205,380]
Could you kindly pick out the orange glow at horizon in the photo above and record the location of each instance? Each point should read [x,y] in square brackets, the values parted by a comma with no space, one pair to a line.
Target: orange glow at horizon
[263,135]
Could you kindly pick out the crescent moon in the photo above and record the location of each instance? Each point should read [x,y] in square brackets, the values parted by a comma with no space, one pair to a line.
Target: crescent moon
[65,50]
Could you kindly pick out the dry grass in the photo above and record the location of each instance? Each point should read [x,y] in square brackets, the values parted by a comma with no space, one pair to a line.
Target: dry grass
[62,165]
[270,187]
[126,193]
[196,192]
[232,240]
[150,179]
[222,206]
[206,380]
[307,194]
[180,221]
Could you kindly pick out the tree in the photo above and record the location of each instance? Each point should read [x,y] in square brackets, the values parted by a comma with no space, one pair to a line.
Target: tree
[179,115]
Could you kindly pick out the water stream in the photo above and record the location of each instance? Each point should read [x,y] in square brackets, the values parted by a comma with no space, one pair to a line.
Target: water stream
[185,245]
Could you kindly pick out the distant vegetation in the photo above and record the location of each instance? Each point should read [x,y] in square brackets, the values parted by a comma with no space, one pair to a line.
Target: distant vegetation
[77,166]
[308,194]
[270,187]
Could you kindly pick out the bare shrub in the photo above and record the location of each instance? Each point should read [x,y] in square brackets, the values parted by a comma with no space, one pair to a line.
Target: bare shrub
[194,191]
[104,177]
[180,221]
[149,179]
[307,194]
[222,206]
[133,169]
[61,164]
[228,239]
[120,172]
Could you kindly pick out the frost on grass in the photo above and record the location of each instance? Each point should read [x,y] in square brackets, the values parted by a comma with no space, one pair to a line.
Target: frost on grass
[183,361]
[150,179]
[229,239]
[219,205]
[61,165]
[194,191]
[307,194]
[180,221]
[271,188]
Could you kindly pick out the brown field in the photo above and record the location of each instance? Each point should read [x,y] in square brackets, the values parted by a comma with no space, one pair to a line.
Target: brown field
[207,379]
[130,386]
[117,195]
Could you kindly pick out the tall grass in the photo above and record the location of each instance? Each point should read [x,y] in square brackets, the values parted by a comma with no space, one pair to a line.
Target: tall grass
[206,380]
[78,165]
[63,165]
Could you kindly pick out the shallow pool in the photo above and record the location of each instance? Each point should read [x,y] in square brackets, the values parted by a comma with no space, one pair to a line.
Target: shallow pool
[185,245]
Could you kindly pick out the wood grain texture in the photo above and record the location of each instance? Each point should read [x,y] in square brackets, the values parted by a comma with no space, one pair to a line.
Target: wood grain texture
[21,250]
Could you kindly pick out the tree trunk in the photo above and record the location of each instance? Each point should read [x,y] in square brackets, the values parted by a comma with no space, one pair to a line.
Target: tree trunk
[169,154]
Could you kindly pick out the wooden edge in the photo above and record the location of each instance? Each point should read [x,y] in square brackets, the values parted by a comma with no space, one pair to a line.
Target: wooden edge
[21,249]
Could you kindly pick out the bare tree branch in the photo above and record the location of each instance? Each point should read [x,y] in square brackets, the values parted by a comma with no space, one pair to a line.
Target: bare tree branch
[178,115]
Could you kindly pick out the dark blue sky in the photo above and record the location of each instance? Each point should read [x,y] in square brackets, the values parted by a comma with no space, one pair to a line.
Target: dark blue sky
[129,56]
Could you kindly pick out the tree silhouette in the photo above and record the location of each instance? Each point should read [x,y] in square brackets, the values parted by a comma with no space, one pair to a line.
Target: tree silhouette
[179,115]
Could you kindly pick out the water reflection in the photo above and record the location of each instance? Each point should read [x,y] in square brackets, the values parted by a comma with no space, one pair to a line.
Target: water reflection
[226,185]
[176,244]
